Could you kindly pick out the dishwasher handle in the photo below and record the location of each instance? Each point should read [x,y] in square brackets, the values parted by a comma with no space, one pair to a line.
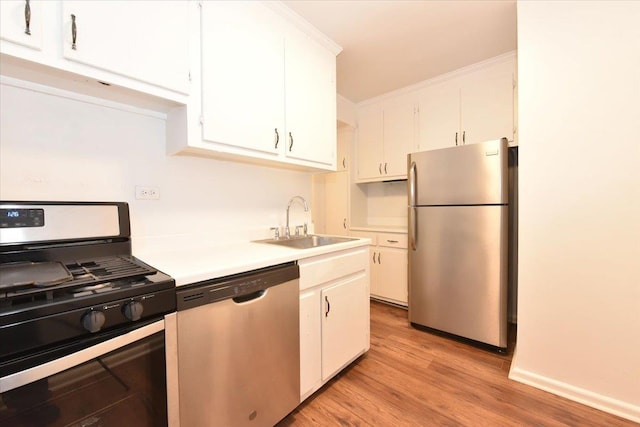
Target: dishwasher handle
[249,297]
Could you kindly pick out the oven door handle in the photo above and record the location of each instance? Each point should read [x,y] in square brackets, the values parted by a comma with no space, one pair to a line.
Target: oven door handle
[53,367]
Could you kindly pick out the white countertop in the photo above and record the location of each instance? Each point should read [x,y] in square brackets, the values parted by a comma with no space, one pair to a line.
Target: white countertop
[190,265]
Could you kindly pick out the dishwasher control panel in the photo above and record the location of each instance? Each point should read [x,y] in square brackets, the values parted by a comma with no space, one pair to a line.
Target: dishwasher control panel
[241,287]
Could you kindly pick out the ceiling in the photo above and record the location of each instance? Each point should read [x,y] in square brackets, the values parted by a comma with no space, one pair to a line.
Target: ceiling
[391,44]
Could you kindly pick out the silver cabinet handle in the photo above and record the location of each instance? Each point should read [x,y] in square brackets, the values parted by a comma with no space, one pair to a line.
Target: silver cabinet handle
[456,138]
[27,18]
[290,141]
[464,133]
[277,137]
[380,168]
[385,168]
[392,241]
[326,313]
[374,258]
[344,223]
[344,162]
[379,257]
[74,31]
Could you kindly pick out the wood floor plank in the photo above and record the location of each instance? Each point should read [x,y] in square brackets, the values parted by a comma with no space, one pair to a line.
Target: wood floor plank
[411,377]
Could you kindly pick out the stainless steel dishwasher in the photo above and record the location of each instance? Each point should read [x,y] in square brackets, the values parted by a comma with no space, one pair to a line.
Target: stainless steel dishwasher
[239,348]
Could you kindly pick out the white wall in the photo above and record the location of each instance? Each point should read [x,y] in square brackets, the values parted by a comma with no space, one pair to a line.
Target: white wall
[60,148]
[387,203]
[579,263]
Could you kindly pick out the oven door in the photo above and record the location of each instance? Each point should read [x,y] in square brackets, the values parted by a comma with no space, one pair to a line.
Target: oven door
[123,378]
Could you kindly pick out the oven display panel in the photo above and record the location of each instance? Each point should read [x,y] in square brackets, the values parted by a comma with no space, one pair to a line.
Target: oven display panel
[17,218]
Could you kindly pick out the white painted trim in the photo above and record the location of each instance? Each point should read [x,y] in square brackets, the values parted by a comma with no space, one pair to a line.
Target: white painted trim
[304,25]
[441,78]
[577,394]
[61,93]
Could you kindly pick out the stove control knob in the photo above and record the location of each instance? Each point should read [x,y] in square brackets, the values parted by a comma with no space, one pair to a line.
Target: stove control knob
[133,310]
[93,320]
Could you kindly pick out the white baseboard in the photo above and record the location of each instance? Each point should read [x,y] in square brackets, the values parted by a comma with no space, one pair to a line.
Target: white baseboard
[577,394]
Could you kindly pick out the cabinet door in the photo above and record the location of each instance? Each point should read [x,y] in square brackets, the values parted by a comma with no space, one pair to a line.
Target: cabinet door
[310,344]
[147,41]
[345,139]
[398,135]
[369,141]
[13,22]
[487,104]
[242,76]
[310,88]
[439,116]
[344,323]
[337,203]
[391,272]
[374,287]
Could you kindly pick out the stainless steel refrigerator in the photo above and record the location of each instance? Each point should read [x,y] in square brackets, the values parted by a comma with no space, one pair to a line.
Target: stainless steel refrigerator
[458,238]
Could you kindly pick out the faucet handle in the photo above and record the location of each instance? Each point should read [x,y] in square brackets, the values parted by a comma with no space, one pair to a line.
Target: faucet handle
[277,231]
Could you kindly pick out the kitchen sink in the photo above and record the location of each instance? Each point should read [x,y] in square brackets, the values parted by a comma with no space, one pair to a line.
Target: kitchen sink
[307,242]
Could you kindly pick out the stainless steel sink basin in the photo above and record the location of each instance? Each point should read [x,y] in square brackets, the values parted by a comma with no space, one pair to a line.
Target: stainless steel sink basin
[307,242]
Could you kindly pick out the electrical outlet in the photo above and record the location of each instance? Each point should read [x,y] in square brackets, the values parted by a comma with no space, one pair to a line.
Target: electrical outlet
[147,193]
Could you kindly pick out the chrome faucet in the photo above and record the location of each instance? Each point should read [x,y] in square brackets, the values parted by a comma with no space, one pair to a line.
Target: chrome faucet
[287,232]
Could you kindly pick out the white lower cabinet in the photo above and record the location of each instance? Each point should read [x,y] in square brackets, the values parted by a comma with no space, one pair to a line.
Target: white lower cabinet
[334,315]
[388,261]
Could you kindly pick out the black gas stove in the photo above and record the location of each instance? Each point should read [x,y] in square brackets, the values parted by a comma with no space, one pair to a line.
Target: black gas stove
[68,280]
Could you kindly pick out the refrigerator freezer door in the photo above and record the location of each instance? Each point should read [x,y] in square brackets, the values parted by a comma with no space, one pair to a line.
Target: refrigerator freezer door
[474,174]
[458,271]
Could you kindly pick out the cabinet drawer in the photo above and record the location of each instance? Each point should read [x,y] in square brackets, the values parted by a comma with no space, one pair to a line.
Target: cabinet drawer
[325,268]
[392,240]
[365,235]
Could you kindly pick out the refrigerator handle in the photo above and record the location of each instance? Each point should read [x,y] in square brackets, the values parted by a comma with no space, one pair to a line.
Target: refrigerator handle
[412,184]
[413,237]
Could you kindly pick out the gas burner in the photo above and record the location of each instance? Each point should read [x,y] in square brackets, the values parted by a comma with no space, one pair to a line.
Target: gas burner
[89,275]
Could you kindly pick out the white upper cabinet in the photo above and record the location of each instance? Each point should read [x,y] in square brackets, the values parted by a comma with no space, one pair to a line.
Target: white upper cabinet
[345,140]
[386,134]
[470,107]
[147,41]
[310,99]
[399,134]
[21,22]
[135,52]
[439,116]
[243,76]
[486,110]
[268,89]
[369,148]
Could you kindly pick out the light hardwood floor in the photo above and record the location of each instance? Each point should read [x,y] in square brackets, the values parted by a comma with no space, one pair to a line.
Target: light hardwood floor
[414,378]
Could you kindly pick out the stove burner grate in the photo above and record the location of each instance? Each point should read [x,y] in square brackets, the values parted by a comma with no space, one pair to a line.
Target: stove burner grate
[90,273]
